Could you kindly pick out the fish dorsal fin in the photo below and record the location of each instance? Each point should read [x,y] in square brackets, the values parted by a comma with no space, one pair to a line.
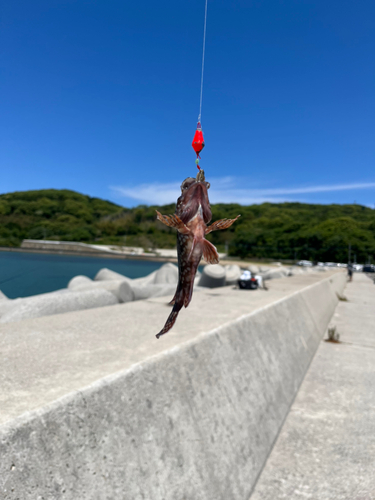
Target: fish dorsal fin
[210,253]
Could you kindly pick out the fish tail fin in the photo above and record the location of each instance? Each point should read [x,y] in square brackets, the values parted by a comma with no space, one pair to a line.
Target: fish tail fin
[210,253]
[171,320]
[181,298]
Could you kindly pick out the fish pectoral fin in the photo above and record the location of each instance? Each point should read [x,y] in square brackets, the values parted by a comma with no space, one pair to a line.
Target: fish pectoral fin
[221,224]
[173,221]
[210,253]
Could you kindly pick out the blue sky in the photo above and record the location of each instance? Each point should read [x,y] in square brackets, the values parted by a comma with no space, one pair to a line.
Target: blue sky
[102,97]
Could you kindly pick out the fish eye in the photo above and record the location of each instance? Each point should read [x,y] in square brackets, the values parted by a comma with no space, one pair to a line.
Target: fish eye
[187,183]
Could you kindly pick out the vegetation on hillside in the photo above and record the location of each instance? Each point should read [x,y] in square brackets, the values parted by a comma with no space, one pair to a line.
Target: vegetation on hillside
[277,231]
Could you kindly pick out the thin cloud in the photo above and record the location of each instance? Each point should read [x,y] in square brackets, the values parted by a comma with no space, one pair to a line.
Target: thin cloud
[151,194]
[320,189]
[227,191]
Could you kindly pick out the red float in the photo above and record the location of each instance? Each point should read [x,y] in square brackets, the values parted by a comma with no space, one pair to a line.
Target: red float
[198,141]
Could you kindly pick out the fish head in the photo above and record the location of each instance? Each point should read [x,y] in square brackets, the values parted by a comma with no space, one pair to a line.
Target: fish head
[194,199]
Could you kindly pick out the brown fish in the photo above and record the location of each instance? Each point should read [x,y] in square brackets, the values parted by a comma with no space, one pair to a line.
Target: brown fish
[193,213]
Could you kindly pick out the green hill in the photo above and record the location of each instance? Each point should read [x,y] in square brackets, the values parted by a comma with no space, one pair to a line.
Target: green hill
[277,231]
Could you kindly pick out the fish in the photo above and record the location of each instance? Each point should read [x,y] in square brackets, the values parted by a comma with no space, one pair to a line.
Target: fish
[192,214]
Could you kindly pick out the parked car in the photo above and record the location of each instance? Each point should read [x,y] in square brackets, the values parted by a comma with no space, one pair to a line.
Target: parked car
[369,268]
[305,263]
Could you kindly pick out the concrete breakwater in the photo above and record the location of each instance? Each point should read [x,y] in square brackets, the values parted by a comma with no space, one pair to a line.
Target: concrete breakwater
[109,287]
[77,247]
[94,407]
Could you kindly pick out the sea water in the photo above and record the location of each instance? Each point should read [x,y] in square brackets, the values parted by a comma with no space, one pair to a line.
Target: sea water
[23,274]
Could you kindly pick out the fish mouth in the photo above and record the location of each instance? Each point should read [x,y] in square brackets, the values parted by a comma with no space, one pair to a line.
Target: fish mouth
[199,190]
[196,202]
[198,193]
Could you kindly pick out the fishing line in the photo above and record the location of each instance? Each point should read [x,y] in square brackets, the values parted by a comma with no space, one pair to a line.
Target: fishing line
[204,49]
[198,141]
[20,275]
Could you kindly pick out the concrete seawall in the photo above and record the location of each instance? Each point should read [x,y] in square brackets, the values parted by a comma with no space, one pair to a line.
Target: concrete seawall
[94,408]
[326,447]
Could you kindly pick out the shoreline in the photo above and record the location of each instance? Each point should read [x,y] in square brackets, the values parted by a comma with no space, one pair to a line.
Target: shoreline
[82,253]
[151,257]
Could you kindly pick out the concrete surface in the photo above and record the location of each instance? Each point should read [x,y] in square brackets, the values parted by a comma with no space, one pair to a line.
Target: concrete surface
[78,281]
[56,303]
[159,283]
[277,273]
[92,406]
[121,289]
[326,449]
[167,274]
[253,268]
[142,292]
[108,275]
[3,296]
[7,305]
[77,247]
[232,274]
[107,250]
[213,276]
